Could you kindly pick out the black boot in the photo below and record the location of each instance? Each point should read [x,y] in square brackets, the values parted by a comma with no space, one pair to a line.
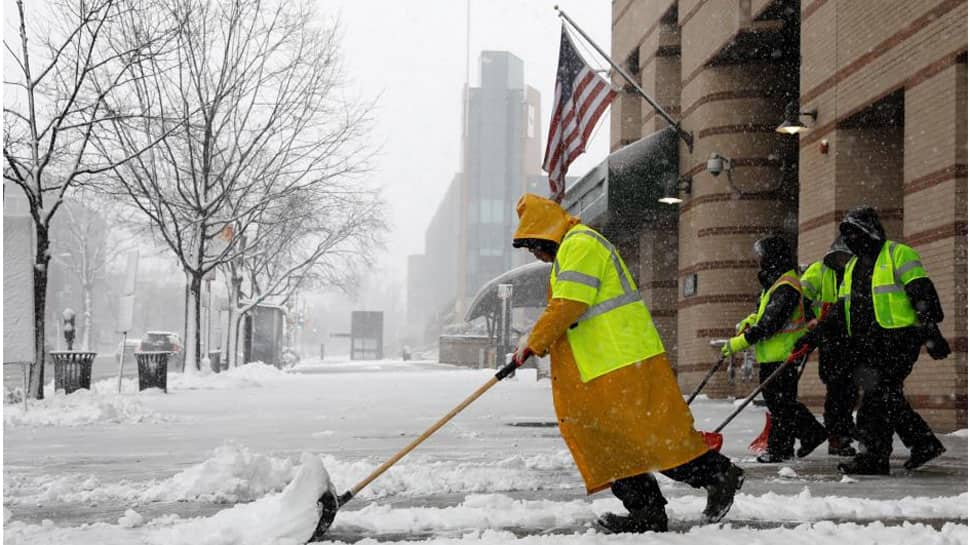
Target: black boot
[720,495]
[773,458]
[637,522]
[922,454]
[807,446]
[841,446]
[865,465]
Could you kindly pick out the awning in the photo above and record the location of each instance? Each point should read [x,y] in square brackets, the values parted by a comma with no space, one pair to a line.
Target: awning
[530,284]
[623,190]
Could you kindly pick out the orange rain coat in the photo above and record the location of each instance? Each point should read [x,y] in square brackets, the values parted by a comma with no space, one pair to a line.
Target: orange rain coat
[630,421]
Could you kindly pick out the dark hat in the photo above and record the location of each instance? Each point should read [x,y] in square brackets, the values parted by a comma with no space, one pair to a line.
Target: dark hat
[775,254]
[772,246]
[866,220]
[837,255]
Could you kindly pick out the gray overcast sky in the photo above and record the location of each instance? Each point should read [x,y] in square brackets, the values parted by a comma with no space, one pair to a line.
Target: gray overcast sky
[412,54]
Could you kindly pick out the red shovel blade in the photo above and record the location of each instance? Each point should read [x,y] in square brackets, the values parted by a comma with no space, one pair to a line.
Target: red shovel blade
[713,439]
[760,443]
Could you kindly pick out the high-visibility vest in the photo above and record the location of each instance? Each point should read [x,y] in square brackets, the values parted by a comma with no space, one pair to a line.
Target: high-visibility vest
[820,285]
[779,346]
[616,330]
[896,266]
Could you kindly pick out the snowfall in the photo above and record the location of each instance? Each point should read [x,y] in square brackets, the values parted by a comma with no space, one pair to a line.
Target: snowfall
[241,456]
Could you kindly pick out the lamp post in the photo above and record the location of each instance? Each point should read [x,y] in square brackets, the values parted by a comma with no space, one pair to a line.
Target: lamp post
[505,336]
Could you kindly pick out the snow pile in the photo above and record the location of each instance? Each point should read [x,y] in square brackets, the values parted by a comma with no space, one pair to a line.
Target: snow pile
[287,518]
[231,474]
[420,477]
[804,506]
[82,407]
[818,533]
[499,511]
[251,375]
[493,511]
[130,519]
[558,461]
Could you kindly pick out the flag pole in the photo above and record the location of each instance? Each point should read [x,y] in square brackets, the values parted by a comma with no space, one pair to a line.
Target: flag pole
[687,137]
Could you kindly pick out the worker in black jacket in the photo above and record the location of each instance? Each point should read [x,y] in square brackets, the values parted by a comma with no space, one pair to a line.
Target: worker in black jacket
[889,308]
[820,286]
[778,323]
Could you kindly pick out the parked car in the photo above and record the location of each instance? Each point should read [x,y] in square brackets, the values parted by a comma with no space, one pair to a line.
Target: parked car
[165,341]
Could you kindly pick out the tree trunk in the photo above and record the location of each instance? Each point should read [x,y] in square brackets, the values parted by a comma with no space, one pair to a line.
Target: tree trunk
[41,259]
[185,323]
[237,331]
[232,325]
[194,341]
[86,321]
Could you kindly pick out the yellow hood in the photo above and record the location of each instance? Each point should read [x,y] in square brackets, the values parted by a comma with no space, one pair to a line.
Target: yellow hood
[542,218]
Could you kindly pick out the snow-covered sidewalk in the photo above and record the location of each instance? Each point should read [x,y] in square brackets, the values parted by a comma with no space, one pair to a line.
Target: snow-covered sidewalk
[103,467]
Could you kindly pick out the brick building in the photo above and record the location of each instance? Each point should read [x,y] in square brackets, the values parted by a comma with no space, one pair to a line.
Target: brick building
[887,81]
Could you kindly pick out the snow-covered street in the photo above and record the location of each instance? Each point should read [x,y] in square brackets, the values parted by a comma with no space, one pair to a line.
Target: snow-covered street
[101,467]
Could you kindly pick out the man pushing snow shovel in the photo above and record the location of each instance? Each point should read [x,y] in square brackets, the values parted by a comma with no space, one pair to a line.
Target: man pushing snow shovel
[620,410]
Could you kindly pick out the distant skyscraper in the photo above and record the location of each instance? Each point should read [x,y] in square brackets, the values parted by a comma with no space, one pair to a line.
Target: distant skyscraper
[503,150]
[468,241]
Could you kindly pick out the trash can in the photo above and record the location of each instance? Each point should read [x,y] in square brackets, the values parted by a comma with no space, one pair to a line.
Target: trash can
[215,356]
[152,370]
[72,370]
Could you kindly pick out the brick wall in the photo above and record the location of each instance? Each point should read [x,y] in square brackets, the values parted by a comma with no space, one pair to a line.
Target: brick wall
[857,57]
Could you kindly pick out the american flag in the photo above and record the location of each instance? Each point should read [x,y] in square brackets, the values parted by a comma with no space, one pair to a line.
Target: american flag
[581,97]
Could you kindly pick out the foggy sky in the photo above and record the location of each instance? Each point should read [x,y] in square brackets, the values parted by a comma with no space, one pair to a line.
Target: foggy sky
[411,55]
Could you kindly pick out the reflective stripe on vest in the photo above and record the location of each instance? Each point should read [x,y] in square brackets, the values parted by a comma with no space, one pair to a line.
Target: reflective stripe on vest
[630,295]
[779,346]
[616,330]
[896,265]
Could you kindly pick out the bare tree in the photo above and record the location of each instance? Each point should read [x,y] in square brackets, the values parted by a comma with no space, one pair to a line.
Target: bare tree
[60,73]
[311,239]
[92,238]
[255,91]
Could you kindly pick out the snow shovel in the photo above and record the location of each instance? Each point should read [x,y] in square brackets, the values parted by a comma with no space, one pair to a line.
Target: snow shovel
[717,365]
[330,502]
[716,434]
[760,443]
[713,440]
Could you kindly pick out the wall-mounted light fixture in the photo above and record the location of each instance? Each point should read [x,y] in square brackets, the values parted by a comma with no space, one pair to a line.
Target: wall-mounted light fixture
[674,188]
[792,123]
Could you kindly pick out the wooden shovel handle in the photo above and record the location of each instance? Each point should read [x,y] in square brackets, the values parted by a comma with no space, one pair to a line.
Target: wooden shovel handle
[502,373]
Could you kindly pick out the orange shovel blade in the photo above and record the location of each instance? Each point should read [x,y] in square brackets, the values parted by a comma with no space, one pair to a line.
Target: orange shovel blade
[714,440]
[760,443]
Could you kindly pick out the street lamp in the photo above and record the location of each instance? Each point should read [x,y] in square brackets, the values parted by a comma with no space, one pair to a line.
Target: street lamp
[792,124]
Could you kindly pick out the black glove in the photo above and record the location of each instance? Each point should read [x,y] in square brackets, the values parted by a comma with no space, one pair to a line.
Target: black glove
[936,344]
[809,339]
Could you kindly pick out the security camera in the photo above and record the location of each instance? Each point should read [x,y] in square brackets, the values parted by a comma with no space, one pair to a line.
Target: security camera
[716,164]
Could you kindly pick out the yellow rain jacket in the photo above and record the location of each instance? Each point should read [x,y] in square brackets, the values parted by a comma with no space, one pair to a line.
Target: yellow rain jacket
[630,420]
